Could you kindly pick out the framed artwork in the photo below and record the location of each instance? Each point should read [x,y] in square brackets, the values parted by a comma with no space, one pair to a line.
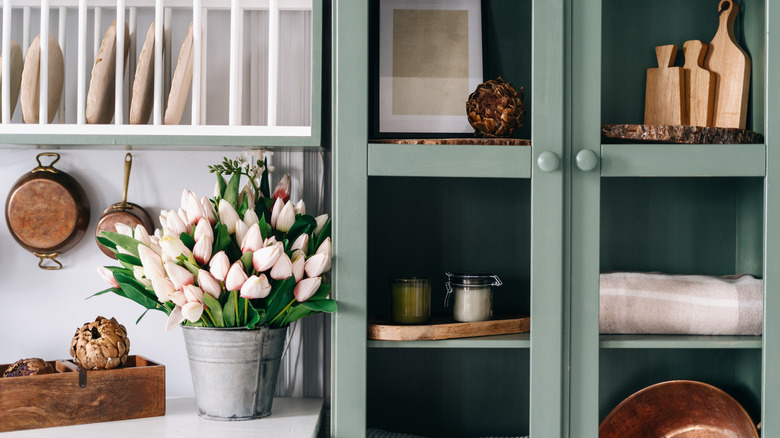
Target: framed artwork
[430,60]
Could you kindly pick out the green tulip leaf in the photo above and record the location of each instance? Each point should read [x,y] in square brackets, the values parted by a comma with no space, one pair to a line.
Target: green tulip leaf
[223,242]
[243,207]
[135,292]
[141,317]
[265,187]
[231,191]
[324,234]
[246,260]
[303,224]
[190,267]
[253,317]
[221,185]
[107,243]
[105,291]
[126,242]
[129,259]
[280,297]
[229,311]
[187,240]
[325,306]
[295,313]
[216,310]
[322,293]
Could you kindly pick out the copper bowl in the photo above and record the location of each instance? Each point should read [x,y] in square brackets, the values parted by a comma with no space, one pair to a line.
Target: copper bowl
[679,409]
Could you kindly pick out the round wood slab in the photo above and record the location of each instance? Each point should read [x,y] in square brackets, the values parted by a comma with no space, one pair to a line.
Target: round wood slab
[677,134]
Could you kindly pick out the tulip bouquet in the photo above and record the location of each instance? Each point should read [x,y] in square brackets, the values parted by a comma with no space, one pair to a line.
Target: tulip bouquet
[239,259]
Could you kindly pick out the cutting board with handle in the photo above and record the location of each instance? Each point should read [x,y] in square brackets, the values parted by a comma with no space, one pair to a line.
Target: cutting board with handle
[732,66]
[664,93]
[699,85]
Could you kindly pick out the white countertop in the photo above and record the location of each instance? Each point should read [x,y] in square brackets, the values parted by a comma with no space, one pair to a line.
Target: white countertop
[290,418]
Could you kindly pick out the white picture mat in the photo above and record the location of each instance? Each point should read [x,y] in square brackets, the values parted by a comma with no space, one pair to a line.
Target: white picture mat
[389,122]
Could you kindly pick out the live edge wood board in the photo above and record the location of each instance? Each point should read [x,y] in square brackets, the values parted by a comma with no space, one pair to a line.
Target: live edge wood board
[446,328]
[70,396]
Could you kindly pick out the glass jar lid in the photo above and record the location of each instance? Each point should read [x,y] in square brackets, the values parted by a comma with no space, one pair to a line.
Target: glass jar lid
[410,280]
[475,279]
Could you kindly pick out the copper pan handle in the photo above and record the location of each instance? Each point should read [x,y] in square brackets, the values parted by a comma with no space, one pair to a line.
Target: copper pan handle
[128,164]
[51,256]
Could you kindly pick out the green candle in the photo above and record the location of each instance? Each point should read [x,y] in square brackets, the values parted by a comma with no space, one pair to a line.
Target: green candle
[410,300]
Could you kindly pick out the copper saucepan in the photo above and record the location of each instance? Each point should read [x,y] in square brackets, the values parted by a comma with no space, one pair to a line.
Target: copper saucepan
[47,212]
[123,213]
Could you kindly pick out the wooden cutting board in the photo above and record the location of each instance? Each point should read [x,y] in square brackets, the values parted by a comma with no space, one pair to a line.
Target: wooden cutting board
[444,327]
[732,66]
[699,85]
[664,93]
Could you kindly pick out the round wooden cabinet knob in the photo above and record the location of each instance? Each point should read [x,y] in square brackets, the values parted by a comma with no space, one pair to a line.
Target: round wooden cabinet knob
[548,161]
[587,160]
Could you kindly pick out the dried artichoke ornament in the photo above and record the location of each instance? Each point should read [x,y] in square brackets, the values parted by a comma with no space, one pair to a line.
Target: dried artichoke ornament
[28,367]
[102,344]
[495,108]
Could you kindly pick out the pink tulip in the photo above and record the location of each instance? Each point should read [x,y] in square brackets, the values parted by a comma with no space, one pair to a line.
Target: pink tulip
[184,195]
[152,263]
[219,265]
[173,247]
[193,293]
[271,241]
[178,298]
[306,288]
[315,265]
[174,224]
[253,239]
[321,220]
[209,284]
[163,288]
[298,262]
[265,258]
[282,189]
[142,235]
[138,273]
[193,209]
[107,276]
[250,218]
[256,287]
[286,218]
[179,275]
[175,318]
[192,311]
[203,228]
[282,268]
[240,229]
[302,243]
[300,207]
[202,249]
[236,277]
[124,229]
[249,195]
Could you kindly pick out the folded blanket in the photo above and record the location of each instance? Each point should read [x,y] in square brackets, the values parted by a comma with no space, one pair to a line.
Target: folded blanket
[652,303]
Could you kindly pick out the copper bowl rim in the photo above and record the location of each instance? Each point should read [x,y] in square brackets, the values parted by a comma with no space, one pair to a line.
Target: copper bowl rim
[721,392]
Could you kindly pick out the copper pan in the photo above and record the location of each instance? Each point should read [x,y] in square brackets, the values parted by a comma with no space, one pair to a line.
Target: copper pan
[47,212]
[679,409]
[123,213]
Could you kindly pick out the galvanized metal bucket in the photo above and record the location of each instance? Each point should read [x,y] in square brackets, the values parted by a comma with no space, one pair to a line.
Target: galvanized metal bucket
[234,370]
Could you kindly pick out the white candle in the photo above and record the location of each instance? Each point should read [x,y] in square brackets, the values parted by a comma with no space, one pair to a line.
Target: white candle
[472,303]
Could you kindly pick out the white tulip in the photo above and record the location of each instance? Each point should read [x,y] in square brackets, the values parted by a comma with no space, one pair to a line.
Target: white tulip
[208,209]
[202,249]
[193,293]
[184,195]
[301,243]
[271,241]
[306,288]
[315,266]
[192,311]
[175,318]
[124,229]
[178,298]
[236,277]
[298,262]
[276,210]
[209,284]
[256,287]
[193,209]
[173,247]
[248,194]
[321,220]
[241,230]
[203,228]
[325,249]
[286,218]
[300,207]
[142,235]
[138,273]
[163,288]
[282,268]
[107,276]
[250,217]
[179,275]
[219,265]
[174,224]
[228,216]
[265,258]
[151,261]
[253,240]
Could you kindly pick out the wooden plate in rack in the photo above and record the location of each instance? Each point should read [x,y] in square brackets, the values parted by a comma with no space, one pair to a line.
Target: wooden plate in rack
[182,82]
[100,98]
[143,85]
[17,65]
[31,75]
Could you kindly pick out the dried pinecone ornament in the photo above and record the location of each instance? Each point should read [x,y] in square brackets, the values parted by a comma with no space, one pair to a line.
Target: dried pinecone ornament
[28,367]
[495,108]
[102,344]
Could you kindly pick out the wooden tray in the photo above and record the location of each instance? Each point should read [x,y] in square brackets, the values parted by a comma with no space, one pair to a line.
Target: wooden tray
[71,396]
[685,134]
[444,327]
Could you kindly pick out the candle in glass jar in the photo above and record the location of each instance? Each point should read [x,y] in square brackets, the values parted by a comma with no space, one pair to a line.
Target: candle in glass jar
[410,300]
[473,303]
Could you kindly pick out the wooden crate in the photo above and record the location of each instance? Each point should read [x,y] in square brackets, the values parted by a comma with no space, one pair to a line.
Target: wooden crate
[70,396]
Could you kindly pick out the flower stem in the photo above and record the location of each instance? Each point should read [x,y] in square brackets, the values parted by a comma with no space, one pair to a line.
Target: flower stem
[208,313]
[282,312]
[246,309]
[236,307]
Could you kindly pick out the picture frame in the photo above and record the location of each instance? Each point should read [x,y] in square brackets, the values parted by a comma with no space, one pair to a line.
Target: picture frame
[430,60]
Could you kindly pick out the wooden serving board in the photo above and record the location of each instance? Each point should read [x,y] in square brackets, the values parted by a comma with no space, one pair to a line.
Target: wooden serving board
[699,85]
[444,327]
[457,141]
[664,93]
[732,66]
[71,396]
[677,134]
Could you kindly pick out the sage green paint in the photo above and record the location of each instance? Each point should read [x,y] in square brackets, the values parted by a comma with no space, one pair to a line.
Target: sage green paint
[350,96]
[679,341]
[683,160]
[520,340]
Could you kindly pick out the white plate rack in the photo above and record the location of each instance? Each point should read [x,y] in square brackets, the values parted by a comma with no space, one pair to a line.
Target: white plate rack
[253,70]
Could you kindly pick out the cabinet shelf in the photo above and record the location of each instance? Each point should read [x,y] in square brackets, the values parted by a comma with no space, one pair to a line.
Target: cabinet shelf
[519,340]
[449,160]
[663,160]
[680,341]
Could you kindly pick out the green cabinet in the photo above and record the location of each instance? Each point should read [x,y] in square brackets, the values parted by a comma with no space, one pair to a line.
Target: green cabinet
[548,219]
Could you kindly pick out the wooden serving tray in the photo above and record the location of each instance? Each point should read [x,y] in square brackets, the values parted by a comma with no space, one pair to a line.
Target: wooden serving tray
[72,396]
[444,327]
